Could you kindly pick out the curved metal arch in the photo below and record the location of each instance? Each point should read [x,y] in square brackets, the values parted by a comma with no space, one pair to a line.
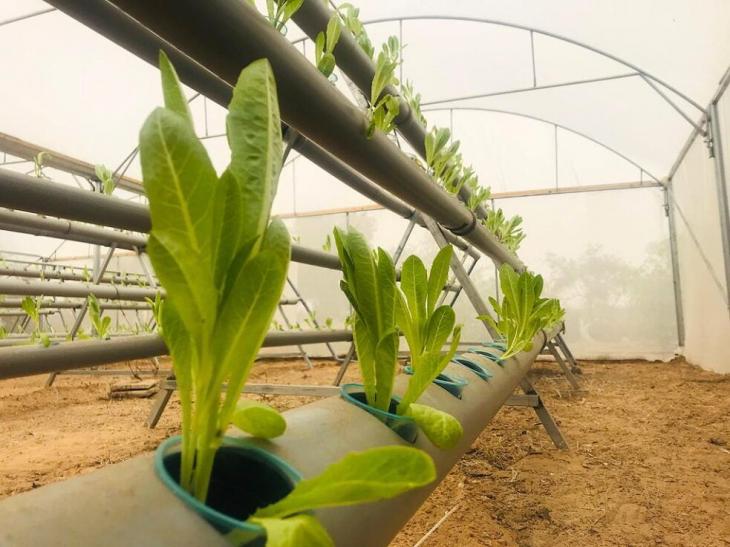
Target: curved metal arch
[555,124]
[537,31]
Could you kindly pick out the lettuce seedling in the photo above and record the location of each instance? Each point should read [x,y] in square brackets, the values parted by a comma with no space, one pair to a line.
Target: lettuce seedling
[156,306]
[220,258]
[522,312]
[413,99]
[426,329]
[278,12]
[324,46]
[369,282]
[106,178]
[506,231]
[32,307]
[350,17]
[384,107]
[100,323]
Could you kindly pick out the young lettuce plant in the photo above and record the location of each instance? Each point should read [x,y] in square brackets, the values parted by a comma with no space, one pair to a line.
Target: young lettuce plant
[220,258]
[360,477]
[522,313]
[370,286]
[384,107]
[507,232]
[324,46]
[32,307]
[413,99]
[106,178]
[156,306]
[426,329]
[278,12]
[350,17]
[100,323]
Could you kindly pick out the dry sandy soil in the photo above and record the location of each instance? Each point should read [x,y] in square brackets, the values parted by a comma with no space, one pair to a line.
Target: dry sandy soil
[649,462]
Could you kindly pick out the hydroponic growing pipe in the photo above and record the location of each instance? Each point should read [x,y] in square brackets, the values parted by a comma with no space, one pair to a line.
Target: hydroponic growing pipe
[312,17]
[244,37]
[72,305]
[15,221]
[125,504]
[26,193]
[29,360]
[74,289]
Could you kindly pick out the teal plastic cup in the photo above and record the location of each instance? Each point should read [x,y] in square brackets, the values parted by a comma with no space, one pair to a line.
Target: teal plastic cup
[245,478]
[404,426]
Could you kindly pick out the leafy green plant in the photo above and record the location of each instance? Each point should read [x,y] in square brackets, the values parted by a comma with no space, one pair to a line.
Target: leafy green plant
[380,307]
[106,178]
[360,477]
[32,307]
[384,107]
[327,245]
[350,17]
[324,46]
[413,99]
[220,258]
[479,194]
[522,312]
[507,232]
[100,323]
[426,329]
[38,162]
[278,12]
[156,306]
[369,284]
[3,332]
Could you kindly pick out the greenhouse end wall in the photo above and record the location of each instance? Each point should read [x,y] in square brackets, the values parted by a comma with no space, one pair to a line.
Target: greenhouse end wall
[699,245]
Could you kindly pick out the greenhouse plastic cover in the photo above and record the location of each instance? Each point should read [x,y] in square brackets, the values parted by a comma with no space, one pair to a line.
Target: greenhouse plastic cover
[605,254]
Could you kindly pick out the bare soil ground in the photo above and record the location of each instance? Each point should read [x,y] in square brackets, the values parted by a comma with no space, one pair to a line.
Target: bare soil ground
[649,462]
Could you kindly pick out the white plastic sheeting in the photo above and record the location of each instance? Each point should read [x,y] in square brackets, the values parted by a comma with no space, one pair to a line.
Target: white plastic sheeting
[702,266]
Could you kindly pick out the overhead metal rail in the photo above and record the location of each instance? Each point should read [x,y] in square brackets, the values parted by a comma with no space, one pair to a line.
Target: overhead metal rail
[16,362]
[57,160]
[15,221]
[25,193]
[248,37]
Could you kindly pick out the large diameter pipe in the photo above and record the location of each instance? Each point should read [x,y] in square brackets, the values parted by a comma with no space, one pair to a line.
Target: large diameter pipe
[126,504]
[18,191]
[306,98]
[16,221]
[117,26]
[73,289]
[72,305]
[16,362]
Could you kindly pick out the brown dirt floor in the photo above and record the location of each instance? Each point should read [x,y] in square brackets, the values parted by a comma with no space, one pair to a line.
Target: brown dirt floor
[649,458]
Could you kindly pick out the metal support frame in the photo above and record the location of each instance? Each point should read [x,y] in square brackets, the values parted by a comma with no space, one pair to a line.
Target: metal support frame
[718,155]
[554,351]
[674,254]
[98,272]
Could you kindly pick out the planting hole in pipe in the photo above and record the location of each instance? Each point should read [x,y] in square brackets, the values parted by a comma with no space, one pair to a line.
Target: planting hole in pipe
[404,426]
[477,369]
[453,384]
[244,478]
[488,354]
